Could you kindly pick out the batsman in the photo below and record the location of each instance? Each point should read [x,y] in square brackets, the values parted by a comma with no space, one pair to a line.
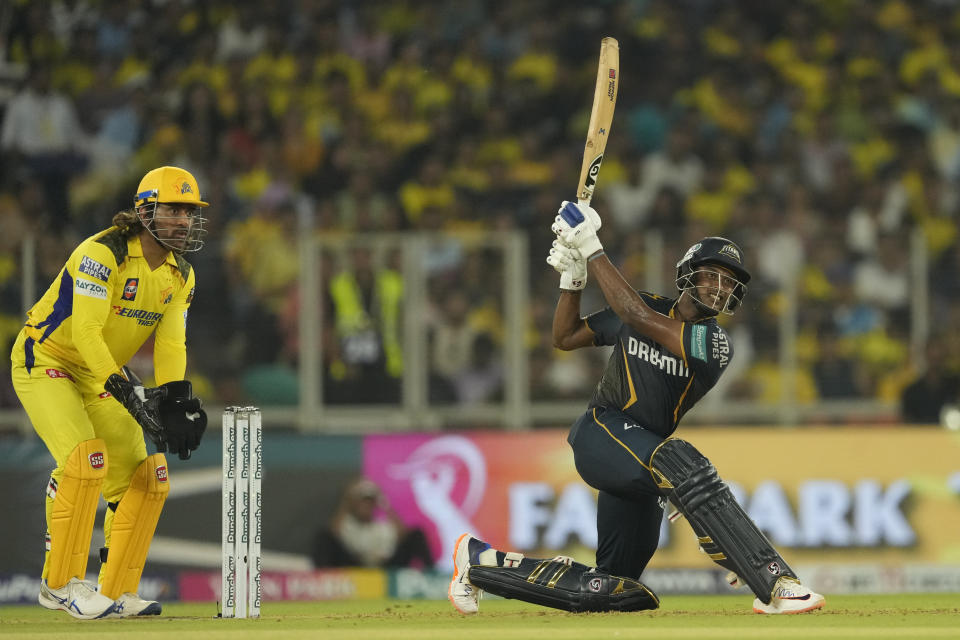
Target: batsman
[117,288]
[668,351]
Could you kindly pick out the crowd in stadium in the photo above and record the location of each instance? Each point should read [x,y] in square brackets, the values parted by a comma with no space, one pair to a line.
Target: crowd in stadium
[819,134]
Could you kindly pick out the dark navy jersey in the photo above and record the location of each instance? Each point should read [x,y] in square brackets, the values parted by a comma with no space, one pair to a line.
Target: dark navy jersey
[646,381]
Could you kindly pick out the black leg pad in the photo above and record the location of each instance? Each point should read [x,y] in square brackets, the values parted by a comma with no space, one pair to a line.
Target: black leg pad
[575,587]
[726,532]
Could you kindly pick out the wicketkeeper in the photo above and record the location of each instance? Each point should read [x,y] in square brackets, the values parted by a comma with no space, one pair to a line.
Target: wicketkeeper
[118,288]
[667,353]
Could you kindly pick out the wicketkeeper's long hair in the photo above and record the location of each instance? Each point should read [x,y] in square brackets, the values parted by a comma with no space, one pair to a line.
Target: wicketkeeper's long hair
[128,222]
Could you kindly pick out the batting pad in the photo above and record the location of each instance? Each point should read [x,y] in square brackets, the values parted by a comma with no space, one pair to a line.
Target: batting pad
[725,532]
[75,499]
[571,587]
[133,525]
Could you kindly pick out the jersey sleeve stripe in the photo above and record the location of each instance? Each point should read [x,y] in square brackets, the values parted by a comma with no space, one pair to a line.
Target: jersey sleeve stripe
[62,308]
[683,350]
[676,410]
[626,374]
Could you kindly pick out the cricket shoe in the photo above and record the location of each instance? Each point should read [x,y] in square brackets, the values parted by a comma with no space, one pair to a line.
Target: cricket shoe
[789,596]
[464,596]
[130,604]
[78,597]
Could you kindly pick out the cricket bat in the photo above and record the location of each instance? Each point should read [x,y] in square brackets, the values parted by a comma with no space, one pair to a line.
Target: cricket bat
[604,101]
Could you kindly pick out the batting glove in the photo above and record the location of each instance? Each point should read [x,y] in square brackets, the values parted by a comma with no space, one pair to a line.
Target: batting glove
[570,264]
[576,226]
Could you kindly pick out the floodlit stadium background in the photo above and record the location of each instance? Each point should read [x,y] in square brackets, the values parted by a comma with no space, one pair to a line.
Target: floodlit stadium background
[424,148]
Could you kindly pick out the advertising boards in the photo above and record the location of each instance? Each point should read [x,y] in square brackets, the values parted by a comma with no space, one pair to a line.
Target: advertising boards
[887,496]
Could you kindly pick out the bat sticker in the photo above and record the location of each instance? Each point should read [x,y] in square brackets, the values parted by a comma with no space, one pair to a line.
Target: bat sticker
[593,172]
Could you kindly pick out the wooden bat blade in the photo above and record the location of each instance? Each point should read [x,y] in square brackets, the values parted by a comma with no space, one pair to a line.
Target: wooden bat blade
[601,117]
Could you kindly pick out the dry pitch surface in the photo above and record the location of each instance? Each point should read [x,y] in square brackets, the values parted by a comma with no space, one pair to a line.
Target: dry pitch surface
[904,617]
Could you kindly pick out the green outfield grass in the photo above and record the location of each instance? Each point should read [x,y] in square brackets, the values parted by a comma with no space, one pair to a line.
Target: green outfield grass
[904,617]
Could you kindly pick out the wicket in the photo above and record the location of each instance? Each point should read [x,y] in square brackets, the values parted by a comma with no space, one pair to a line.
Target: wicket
[241,561]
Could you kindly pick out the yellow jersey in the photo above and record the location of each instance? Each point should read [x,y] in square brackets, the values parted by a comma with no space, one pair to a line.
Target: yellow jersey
[106,304]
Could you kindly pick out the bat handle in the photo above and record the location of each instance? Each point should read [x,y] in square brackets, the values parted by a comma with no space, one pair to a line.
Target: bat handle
[131,376]
[583,202]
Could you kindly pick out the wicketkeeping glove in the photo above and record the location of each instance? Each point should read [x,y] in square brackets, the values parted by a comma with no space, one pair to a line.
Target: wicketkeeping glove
[143,403]
[183,418]
[570,264]
[577,226]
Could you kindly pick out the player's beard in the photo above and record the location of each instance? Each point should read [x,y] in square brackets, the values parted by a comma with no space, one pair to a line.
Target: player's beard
[174,238]
[177,241]
[711,302]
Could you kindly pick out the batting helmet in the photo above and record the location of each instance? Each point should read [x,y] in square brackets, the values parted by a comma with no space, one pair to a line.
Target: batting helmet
[718,251]
[171,185]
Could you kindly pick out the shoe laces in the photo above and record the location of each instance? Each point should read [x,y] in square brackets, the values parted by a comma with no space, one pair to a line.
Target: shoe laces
[86,584]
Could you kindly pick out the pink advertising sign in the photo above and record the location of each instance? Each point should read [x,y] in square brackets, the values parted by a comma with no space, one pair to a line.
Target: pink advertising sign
[450,484]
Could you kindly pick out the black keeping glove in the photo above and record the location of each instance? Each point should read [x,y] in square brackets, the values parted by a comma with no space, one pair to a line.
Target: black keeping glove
[183,417]
[143,403]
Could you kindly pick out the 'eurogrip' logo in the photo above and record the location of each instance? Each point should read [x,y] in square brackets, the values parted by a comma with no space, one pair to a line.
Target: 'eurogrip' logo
[143,317]
[162,473]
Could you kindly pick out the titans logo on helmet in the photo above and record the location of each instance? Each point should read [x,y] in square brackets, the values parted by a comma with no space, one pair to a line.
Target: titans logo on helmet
[732,251]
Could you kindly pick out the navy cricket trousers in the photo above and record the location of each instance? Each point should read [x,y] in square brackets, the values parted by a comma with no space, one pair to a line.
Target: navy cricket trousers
[612,454]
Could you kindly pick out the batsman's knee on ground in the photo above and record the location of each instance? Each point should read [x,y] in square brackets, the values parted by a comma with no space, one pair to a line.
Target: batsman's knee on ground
[569,586]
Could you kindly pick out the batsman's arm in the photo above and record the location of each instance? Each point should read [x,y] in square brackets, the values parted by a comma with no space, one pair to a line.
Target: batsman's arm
[570,331]
[631,308]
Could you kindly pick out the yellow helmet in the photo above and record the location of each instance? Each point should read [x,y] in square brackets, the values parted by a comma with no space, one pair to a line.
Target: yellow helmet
[169,184]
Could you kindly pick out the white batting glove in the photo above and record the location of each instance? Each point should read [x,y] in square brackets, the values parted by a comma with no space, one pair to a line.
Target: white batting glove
[570,264]
[577,226]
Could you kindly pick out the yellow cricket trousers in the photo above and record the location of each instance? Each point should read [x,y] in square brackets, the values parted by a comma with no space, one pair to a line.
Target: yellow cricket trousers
[67,407]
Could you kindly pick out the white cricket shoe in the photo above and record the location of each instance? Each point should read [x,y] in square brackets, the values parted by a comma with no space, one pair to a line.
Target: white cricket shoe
[130,604]
[78,597]
[789,596]
[464,596]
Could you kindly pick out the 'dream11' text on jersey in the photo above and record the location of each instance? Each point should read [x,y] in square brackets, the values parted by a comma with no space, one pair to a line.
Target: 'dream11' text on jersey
[648,382]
